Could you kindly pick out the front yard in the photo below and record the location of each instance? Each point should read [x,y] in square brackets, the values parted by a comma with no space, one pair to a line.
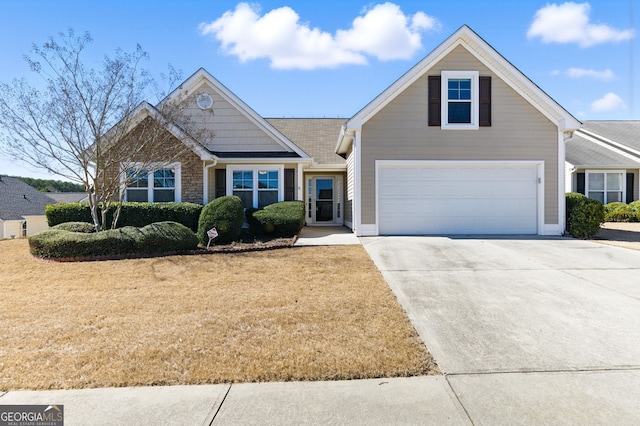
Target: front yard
[307,313]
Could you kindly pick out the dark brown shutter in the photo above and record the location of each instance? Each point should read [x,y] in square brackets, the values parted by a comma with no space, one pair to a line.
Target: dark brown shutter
[580,183]
[630,182]
[221,182]
[289,184]
[434,100]
[485,101]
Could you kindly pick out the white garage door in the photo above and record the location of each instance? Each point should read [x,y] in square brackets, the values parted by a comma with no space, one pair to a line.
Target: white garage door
[421,198]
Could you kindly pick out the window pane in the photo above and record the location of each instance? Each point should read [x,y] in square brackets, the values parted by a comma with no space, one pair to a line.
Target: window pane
[614,181]
[459,89]
[267,197]
[268,179]
[137,179]
[596,181]
[246,197]
[163,195]
[459,112]
[164,178]
[614,196]
[137,195]
[243,180]
[597,195]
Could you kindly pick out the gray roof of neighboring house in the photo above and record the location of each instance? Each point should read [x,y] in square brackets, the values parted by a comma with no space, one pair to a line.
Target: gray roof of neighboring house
[581,150]
[315,136]
[17,199]
[68,197]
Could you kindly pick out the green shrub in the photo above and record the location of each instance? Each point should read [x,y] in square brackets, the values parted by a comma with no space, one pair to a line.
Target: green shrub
[159,237]
[584,215]
[226,215]
[619,213]
[83,227]
[131,214]
[284,219]
[613,206]
[635,206]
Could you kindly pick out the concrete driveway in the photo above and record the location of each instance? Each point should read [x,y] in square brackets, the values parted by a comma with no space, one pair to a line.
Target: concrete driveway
[548,330]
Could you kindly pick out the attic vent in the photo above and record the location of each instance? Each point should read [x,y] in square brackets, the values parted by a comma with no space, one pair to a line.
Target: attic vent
[204,101]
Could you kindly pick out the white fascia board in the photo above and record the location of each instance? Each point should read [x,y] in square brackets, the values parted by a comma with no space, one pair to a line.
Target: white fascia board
[202,76]
[280,160]
[326,168]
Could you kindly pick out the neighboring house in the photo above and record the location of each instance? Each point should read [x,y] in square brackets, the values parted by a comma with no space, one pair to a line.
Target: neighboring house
[463,143]
[603,161]
[21,208]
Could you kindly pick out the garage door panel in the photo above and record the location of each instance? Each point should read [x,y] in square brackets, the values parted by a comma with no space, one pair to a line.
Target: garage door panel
[487,199]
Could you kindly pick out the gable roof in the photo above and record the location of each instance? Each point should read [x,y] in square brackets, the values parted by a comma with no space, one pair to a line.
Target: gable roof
[316,136]
[202,76]
[17,199]
[605,144]
[490,58]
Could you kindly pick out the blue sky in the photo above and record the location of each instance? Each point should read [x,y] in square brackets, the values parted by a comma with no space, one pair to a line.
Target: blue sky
[330,58]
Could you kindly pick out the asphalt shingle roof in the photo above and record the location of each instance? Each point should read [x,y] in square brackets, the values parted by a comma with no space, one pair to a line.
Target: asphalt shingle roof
[315,136]
[581,151]
[18,199]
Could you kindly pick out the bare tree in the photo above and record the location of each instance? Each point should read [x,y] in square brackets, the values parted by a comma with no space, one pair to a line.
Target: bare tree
[89,125]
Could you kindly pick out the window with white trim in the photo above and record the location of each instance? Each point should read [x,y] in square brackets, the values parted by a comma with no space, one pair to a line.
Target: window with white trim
[605,186]
[460,98]
[153,184]
[257,186]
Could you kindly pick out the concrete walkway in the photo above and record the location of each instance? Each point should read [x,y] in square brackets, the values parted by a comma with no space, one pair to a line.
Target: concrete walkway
[326,236]
[527,331]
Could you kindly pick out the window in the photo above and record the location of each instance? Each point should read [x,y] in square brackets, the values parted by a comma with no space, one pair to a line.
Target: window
[256,186]
[460,99]
[267,187]
[243,186]
[163,187]
[604,186]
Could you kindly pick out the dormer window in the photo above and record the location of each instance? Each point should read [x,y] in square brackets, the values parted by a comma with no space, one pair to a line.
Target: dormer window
[459,100]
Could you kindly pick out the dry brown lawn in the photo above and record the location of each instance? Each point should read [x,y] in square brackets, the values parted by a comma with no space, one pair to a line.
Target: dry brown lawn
[305,313]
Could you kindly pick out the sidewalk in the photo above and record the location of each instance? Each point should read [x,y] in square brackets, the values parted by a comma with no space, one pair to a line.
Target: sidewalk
[326,236]
[416,400]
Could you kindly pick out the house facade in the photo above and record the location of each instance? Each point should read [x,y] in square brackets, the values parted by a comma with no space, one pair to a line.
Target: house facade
[262,161]
[463,143]
[603,161]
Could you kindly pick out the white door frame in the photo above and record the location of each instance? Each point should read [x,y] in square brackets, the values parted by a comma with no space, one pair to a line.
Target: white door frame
[310,199]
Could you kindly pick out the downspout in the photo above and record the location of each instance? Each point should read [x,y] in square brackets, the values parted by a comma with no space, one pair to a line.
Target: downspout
[205,180]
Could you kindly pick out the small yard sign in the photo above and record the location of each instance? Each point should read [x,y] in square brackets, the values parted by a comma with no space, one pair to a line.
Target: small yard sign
[211,233]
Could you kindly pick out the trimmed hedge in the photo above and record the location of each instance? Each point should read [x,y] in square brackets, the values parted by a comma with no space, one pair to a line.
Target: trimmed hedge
[584,215]
[160,237]
[226,215]
[619,212]
[284,219]
[131,214]
[83,227]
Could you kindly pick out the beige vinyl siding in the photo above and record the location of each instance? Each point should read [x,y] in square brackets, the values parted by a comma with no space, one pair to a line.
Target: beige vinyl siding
[349,187]
[518,132]
[232,130]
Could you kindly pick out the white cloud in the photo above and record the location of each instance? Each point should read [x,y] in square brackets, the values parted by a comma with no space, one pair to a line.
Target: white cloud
[569,23]
[383,31]
[604,75]
[609,102]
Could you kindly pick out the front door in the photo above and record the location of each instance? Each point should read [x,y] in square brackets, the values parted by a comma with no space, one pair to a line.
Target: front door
[323,201]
